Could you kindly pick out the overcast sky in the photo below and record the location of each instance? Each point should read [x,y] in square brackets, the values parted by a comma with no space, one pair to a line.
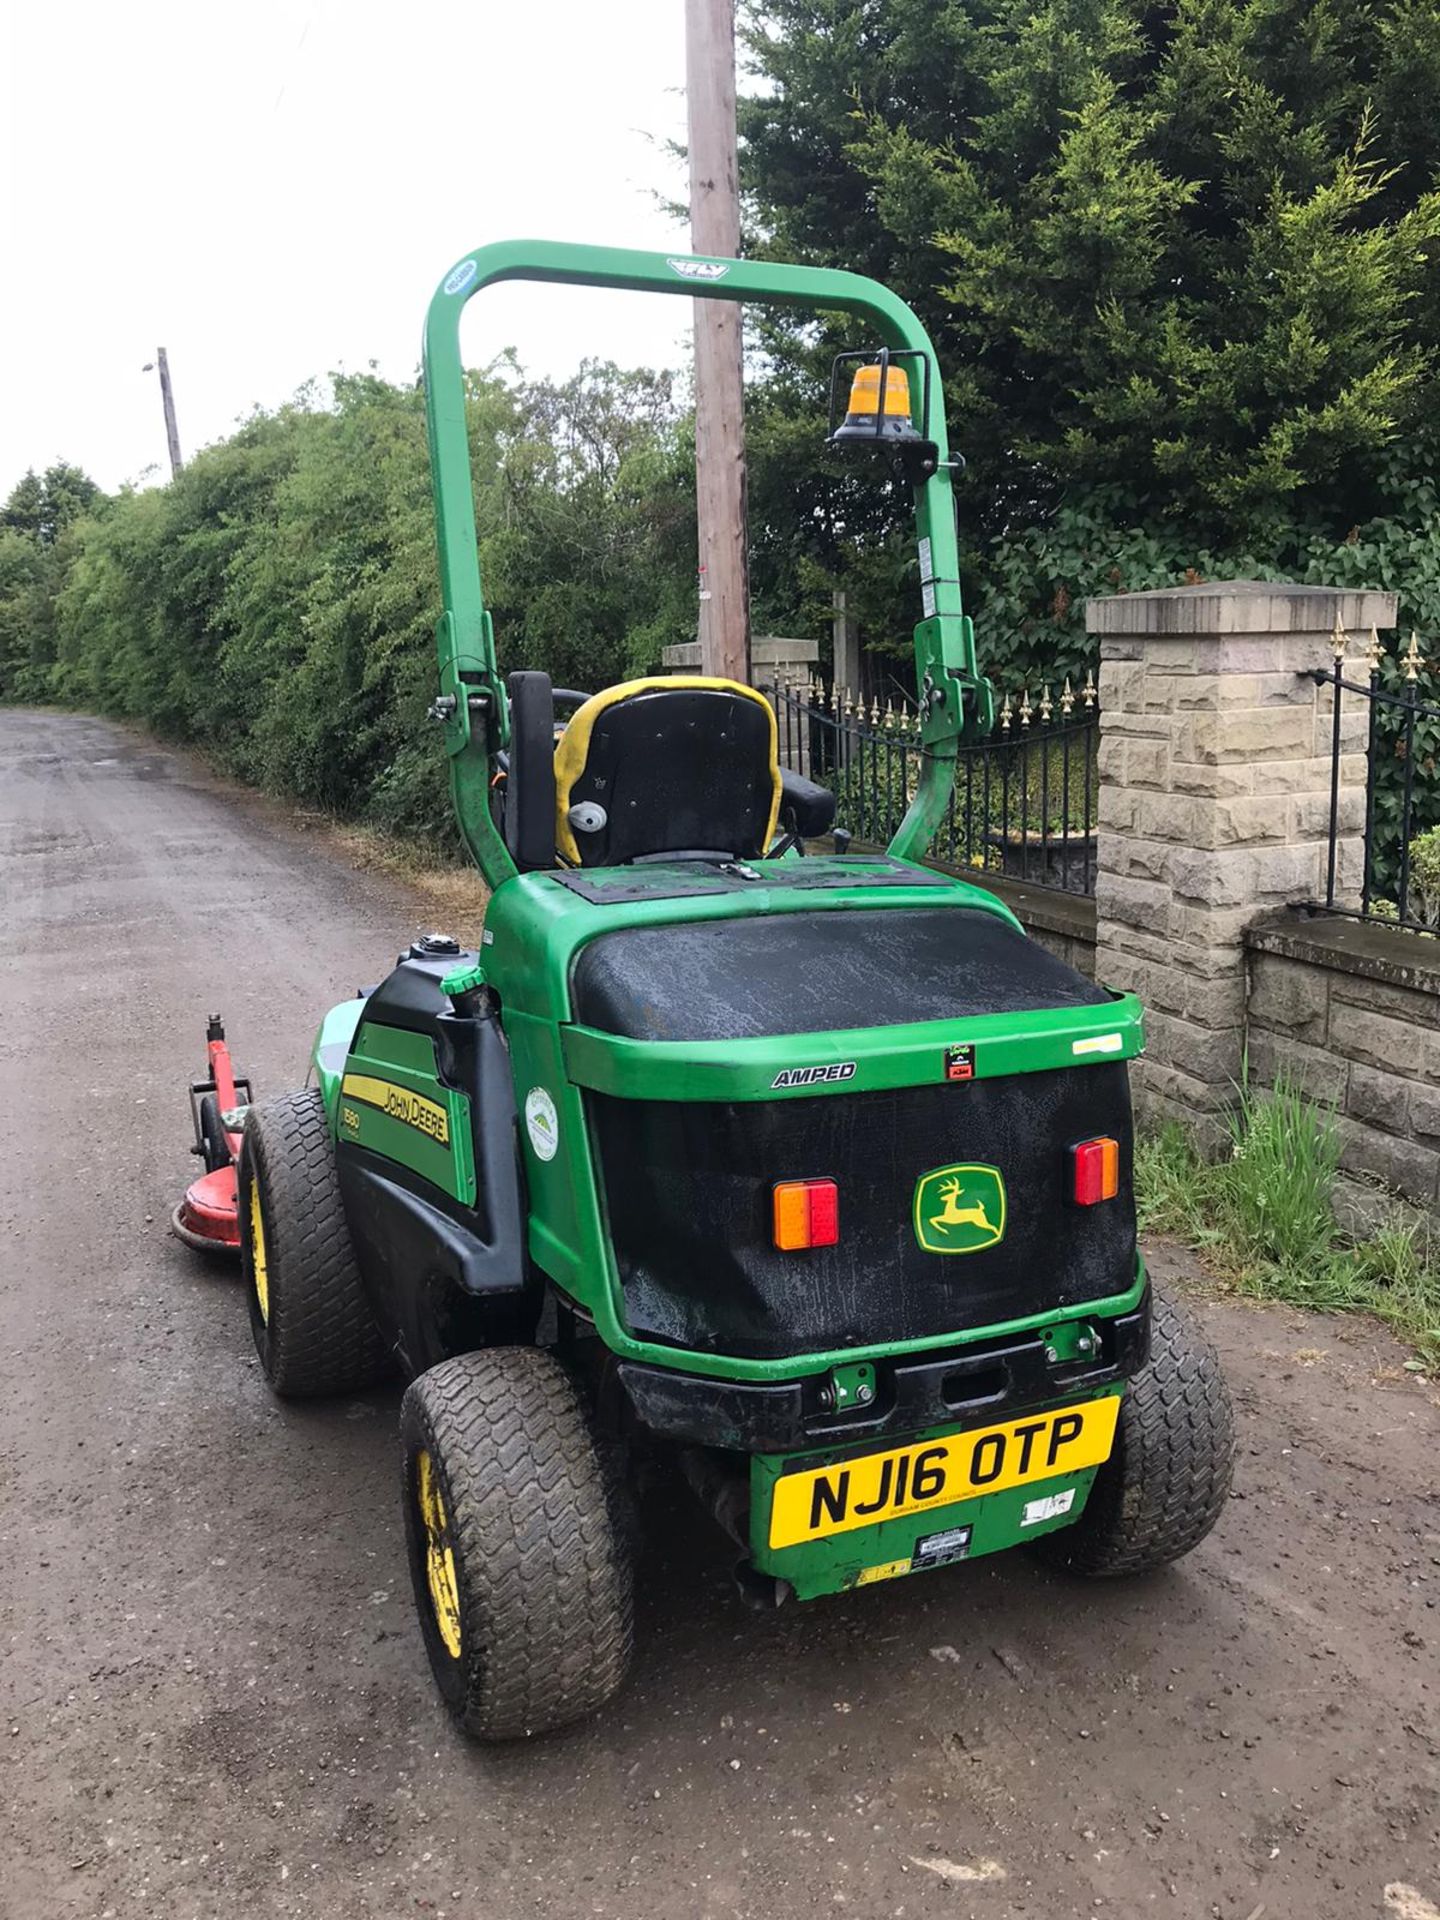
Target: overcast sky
[273,191]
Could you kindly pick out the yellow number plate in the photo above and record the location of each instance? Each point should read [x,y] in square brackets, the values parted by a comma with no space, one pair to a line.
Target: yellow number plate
[933,1473]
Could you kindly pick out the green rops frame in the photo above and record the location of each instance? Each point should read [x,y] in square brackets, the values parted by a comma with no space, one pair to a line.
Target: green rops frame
[955,698]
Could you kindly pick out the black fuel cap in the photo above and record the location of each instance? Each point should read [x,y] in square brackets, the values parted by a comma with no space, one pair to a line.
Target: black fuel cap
[436,945]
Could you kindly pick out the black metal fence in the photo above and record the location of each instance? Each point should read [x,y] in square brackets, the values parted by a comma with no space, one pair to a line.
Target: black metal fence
[1025,797]
[1399,879]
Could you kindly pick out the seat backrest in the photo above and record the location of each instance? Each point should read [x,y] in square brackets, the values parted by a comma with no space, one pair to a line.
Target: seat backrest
[676,765]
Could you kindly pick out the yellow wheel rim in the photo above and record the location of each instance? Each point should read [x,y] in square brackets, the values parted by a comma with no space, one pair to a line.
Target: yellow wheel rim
[259,1267]
[439,1555]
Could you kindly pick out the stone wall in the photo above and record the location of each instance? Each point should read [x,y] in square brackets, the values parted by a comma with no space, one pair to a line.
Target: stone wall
[1352,1013]
[1215,798]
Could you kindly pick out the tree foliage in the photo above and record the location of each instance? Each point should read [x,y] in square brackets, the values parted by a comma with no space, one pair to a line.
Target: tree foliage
[1180,264]
[35,549]
[42,505]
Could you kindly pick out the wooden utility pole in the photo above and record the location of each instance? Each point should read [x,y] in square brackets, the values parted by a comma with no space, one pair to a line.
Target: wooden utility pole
[719,386]
[172,432]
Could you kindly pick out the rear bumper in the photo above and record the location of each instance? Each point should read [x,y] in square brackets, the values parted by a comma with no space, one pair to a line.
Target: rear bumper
[981,1381]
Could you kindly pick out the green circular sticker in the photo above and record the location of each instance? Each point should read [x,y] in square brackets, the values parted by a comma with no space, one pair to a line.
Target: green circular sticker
[542,1123]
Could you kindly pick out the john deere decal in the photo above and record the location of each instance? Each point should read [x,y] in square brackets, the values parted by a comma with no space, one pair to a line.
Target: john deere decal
[959,1209]
[413,1109]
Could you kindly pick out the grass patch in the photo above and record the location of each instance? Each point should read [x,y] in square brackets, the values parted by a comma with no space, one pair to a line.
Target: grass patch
[1262,1218]
[455,894]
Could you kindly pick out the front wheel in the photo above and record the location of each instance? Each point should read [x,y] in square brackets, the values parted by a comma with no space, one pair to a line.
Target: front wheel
[518,1552]
[1166,1483]
[313,1328]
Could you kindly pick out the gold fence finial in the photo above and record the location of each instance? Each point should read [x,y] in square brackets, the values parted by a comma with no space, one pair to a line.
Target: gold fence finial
[1025,708]
[1340,640]
[1088,691]
[1005,714]
[1413,662]
[1067,697]
[1374,653]
[1047,706]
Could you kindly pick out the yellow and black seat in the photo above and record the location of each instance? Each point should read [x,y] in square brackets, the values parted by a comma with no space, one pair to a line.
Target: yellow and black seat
[669,766]
[684,767]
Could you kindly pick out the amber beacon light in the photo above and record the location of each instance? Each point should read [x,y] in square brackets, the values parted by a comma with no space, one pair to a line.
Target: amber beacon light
[879,406]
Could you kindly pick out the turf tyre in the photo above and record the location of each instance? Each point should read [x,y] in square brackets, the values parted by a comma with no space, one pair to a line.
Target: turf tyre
[1166,1484]
[534,1515]
[317,1334]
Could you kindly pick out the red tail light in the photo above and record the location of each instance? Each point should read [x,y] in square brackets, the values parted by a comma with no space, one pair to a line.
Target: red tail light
[1096,1166]
[807,1214]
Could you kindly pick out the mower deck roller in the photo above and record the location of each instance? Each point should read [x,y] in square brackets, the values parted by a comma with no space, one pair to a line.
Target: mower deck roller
[808,1173]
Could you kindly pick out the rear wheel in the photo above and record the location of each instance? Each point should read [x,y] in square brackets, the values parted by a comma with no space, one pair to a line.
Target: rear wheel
[518,1552]
[312,1323]
[1166,1483]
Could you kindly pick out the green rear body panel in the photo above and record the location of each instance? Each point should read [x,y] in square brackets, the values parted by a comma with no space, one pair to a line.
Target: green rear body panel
[534,929]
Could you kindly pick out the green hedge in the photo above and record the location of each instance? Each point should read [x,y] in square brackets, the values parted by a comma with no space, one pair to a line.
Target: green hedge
[276,603]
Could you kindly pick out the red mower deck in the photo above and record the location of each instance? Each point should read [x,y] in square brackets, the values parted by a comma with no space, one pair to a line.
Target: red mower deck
[208,1218]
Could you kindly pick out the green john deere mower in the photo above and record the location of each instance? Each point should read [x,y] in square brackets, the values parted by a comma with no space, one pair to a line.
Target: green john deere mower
[808,1171]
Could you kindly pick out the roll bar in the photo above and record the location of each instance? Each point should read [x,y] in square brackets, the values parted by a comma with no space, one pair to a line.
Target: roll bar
[954,698]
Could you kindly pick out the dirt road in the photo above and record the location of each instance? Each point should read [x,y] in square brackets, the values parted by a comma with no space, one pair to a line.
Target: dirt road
[215,1702]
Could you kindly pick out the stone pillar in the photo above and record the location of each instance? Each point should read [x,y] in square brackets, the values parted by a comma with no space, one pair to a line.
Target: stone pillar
[1214,806]
[771,658]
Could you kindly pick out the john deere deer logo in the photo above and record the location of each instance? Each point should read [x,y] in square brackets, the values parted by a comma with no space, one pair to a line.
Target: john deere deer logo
[959,1209]
[954,1215]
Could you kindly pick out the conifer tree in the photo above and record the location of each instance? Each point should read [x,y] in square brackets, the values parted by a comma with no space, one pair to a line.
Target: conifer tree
[1181,262]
